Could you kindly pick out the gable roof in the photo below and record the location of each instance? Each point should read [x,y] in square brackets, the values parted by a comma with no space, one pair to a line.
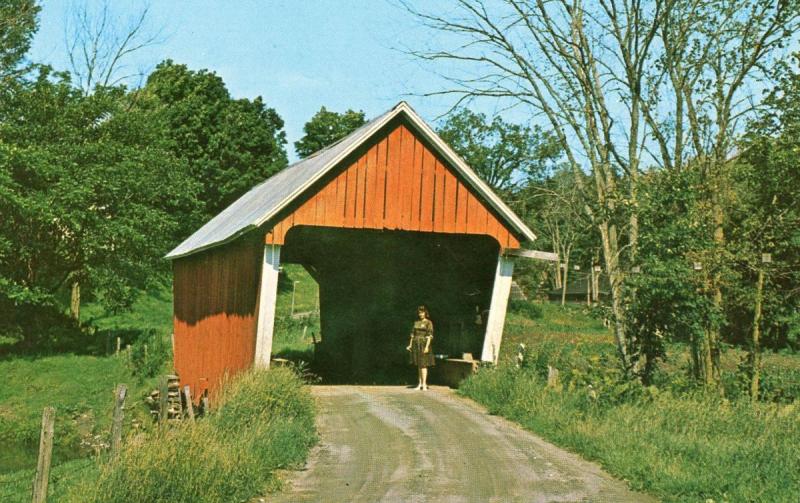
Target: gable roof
[266,200]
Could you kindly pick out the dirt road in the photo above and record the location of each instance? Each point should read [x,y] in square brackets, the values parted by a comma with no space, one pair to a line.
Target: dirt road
[395,444]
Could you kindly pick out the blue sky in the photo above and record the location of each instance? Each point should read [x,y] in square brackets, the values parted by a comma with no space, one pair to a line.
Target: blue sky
[297,55]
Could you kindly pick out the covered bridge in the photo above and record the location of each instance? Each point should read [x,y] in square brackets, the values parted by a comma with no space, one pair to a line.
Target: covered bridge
[384,220]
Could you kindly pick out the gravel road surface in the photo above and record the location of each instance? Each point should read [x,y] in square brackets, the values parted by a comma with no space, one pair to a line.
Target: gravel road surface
[395,444]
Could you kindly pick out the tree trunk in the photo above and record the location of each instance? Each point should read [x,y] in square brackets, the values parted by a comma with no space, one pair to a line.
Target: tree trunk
[755,349]
[564,281]
[75,301]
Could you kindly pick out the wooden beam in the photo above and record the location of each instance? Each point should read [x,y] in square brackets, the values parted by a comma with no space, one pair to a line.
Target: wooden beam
[497,309]
[534,254]
[268,296]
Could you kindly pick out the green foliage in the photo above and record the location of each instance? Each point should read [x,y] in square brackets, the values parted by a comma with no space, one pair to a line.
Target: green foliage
[84,177]
[680,448]
[230,145]
[15,487]
[326,128]
[501,153]
[264,421]
[18,23]
[525,308]
[79,387]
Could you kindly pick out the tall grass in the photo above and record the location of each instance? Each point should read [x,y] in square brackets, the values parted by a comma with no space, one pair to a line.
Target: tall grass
[264,421]
[675,440]
[681,448]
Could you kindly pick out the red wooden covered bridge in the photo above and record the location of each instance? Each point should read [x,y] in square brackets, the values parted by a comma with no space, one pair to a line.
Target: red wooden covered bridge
[385,219]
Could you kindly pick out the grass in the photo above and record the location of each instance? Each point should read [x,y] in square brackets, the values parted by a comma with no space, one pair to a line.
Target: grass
[265,421]
[681,445]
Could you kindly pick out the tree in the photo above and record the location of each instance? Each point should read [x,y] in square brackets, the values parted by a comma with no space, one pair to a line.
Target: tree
[18,23]
[325,128]
[504,155]
[91,196]
[621,82]
[766,220]
[230,145]
[98,47]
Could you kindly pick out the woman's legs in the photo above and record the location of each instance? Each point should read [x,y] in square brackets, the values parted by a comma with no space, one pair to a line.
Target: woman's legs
[423,377]
[419,377]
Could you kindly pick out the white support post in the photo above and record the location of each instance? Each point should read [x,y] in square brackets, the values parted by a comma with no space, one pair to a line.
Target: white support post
[497,309]
[266,306]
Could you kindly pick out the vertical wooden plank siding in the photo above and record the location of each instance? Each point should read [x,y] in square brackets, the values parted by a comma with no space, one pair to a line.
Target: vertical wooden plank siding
[214,316]
[398,183]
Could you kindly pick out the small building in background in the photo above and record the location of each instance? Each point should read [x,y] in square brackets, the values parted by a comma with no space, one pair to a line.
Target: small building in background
[386,219]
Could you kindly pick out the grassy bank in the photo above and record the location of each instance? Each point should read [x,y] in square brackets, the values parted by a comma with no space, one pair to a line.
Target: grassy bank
[673,441]
[264,421]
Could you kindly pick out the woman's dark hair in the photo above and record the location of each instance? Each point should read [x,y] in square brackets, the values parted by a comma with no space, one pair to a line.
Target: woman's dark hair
[423,309]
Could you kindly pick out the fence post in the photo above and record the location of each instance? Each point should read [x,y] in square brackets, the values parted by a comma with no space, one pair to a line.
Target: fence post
[116,424]
[45,456]
[163,391]
[119,344]
[187,393]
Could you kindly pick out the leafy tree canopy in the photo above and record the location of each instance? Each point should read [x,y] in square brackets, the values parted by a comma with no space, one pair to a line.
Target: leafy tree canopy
[230,145]
[325,128]
[18,23]
[90,192]
[505,155]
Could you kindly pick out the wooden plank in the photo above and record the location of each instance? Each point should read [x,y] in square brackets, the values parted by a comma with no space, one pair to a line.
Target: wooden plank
[392,220]
[534,254]
[450,195]
[341,189]
[473,213]
[268,296]
[369,194]
[163,390]
[416,185]
[380,183]
[45,456]
[116,422]
[438,213]
[497,309]
[406,177]
[428,182]
[187,394]
[361,192]
[350,203]
[462,201]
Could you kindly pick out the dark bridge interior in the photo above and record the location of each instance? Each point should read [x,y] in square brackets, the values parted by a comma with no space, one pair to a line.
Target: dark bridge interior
[370,285]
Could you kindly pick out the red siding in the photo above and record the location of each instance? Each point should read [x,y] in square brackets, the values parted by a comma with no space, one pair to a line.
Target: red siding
[397,184]
[216,298]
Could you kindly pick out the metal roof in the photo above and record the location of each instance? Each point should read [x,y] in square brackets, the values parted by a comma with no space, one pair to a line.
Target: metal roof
[264,201]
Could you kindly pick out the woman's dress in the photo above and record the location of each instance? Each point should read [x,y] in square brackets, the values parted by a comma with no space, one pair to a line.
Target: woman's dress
[421,333]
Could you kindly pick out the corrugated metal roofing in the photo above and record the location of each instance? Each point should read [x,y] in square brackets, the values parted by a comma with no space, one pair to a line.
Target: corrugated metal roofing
[265,200]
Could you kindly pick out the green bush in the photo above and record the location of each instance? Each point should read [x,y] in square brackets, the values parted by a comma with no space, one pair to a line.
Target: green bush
[264,420]
[525,308]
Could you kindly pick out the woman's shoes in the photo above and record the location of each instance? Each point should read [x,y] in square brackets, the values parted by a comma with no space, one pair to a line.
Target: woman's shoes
[425,388]
[419,386]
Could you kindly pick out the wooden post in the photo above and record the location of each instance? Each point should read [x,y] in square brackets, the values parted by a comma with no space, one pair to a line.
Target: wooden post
[163,392]
[116,424]
[205,405]
[552,377]
[755,356]
[119,344]
[187,393]
[266,309]
[589,281]
[497,309]
[45,456]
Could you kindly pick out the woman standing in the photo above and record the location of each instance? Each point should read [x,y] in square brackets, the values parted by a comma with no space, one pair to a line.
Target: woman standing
[420,346]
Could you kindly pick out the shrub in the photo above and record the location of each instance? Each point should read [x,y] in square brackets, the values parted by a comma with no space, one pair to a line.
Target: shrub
[525,308]
[264,421]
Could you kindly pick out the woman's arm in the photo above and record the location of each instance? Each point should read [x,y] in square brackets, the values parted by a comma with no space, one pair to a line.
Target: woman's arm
[429,337]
